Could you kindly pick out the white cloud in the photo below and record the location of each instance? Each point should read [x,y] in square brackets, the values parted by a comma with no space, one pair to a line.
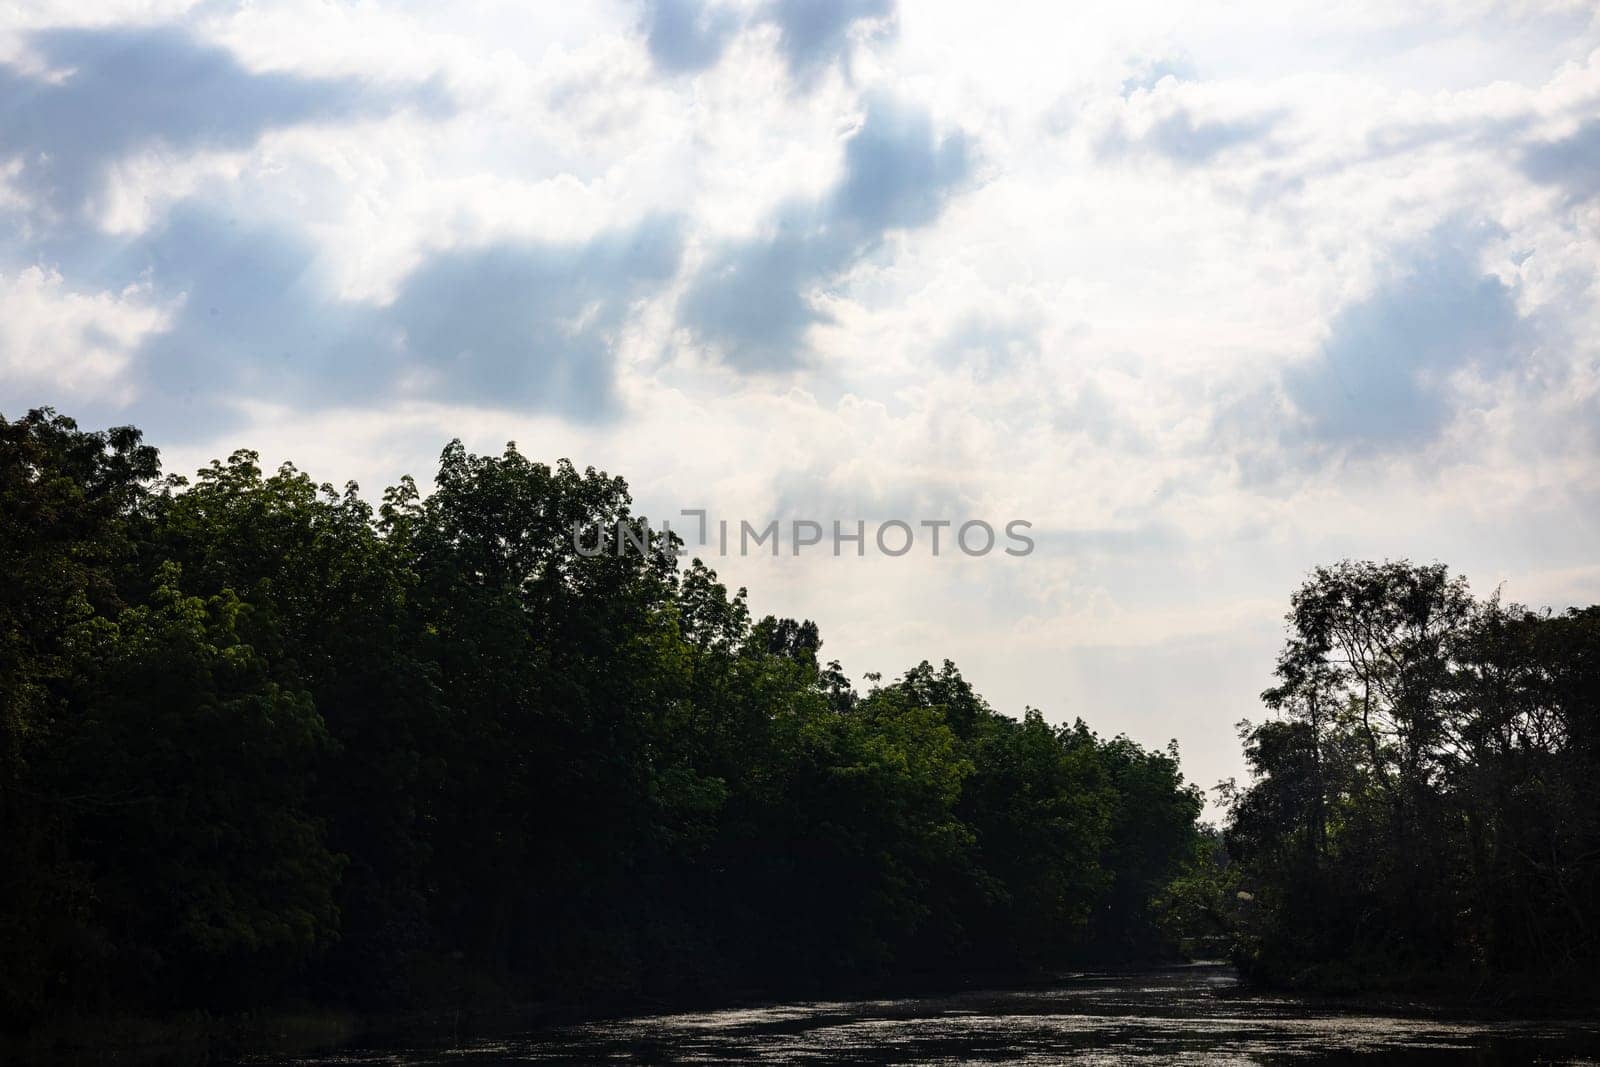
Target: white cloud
[1163,213]
[61,347]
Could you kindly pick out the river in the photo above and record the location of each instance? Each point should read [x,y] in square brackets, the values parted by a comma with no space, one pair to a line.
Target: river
[1189,1014]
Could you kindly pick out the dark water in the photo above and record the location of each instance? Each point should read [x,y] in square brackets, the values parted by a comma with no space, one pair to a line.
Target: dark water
[1194,1014]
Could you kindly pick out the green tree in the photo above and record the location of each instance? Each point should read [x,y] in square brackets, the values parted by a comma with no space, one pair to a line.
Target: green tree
[71,503]
[263,740]
[187,771]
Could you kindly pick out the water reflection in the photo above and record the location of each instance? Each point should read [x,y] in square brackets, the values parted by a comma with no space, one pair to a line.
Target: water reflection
[1193,1014]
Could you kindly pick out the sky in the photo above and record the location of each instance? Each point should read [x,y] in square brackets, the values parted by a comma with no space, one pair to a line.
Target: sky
[1208,294]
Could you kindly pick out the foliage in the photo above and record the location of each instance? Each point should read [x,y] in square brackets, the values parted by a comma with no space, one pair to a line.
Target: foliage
[1424,802]
[263,741]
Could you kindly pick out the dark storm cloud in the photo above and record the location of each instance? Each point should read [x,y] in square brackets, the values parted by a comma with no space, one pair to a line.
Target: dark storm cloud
[898,171]
[254,321]
[527,325]
[751,301]
[811,33]
[1571,162]
[124,90]
[1380,382]
[684,36]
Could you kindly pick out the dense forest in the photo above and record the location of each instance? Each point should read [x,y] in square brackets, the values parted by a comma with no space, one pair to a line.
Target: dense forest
[263,741]
[1424,806]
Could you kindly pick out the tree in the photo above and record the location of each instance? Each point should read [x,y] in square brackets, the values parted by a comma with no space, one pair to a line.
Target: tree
[264,741]
[70,504]
[1424,805]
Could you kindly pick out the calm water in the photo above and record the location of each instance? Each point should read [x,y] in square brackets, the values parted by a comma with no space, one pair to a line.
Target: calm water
[1192,1014]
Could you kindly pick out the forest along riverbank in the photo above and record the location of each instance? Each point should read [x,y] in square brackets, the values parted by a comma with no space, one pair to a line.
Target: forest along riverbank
[1161,1015]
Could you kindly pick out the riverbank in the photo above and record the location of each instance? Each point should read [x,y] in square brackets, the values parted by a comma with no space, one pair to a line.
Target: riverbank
[1442,993]
[191,1038]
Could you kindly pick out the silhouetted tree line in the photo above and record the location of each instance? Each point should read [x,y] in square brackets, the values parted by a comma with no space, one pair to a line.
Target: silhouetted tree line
[262,740]
[1426,803]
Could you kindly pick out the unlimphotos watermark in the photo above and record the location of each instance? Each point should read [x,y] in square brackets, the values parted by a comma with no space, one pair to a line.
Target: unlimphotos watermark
[892,537]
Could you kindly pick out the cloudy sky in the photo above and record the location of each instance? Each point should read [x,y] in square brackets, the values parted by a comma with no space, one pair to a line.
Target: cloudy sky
[1208,294]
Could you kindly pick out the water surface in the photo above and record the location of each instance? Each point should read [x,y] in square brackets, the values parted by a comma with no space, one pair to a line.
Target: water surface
[1192,1014]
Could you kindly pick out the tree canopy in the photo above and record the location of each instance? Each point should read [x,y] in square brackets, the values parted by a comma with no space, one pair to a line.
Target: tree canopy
[1423,802]
[260,739]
